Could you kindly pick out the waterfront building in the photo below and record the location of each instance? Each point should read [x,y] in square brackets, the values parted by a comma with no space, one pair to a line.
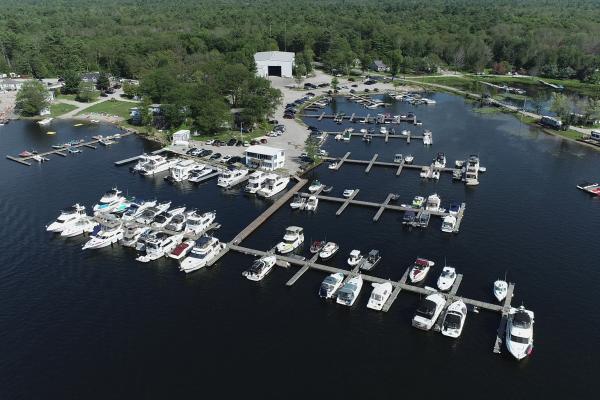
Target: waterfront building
[264,157]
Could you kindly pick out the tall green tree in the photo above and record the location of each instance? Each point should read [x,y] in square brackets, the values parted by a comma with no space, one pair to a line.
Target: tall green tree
[103,82]
[561,105]
[32,98]
[87,92]
[72,79]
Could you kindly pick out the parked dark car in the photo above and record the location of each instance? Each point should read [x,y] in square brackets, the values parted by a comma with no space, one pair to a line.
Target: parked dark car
[234,159]
[231,142]
[324,85]
[263,140]
[190,151]
[247,130]
[253,142]
[354,85]
[206,153]
[215,156]
[370,82]
[239,143]
[289,116]
[352,91]
[279,128]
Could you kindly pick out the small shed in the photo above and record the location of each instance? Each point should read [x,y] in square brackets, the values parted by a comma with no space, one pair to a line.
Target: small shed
[274,63]
[181,138]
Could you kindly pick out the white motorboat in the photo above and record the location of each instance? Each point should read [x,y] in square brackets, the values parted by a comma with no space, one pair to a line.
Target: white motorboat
[136,209]
[293,238]
[339,136]
[383,130]
[232,177]
[156,164]
[45,121]
[274,184]
[198,223]
[298,202]
[419,270]
[433,203]
[330,285]
[418,202]
[348,294]
[107,235]
[148,215]
[381,292]
[482,168]
[426,172]
[519,332]
[427,138]
[459,163]
[398,159]
[312,203]
[197,174]
[177,223]
[472,171]
[255,182]
[206,249]
[371,261]
[435,174]
[181,171]
[409,159]
[328,250]
[333,165]
[439,161]
[182,249]
[260,268]
[500,290]
[159,246]
[454,319]
[446,278]
[348,192]
[68,216]
[109,201]
[315,186]
[131,234]
[429,311]
[405,132]
[79,227]
[449,224]
[164,218]
[355,258]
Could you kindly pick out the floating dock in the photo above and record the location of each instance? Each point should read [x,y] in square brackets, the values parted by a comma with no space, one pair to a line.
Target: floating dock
[372,162]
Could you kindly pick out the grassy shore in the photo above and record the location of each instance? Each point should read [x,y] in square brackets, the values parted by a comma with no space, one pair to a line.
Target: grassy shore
[110,107]
[57,109]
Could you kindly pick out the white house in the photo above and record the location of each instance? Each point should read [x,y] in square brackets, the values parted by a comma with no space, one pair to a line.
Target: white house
[181,138]
[265,157]
[274,63]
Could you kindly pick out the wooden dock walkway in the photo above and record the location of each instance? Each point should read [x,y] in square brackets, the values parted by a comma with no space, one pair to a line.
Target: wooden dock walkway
[395,292]
[504,319]
[459,217]
[347,159]
[371,163]
[385,136]
[268,212]
[20,161]
[382,208]
[348,200]
[400,167]
[342,161]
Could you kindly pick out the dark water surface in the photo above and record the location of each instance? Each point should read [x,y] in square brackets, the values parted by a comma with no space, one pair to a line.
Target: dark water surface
[99,325]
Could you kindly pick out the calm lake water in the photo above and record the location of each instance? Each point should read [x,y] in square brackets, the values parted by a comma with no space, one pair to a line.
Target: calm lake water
[98,324]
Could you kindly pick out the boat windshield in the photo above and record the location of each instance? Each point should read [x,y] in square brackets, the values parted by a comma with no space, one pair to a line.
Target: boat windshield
[160,219]
[426,309]
[448,274]
[347,293]
[452,321]
[519,339]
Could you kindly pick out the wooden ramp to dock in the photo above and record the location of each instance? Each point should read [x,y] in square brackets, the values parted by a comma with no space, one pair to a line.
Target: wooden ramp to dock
[459,217]
[16,159]
[268,212]
[368,169]
[503,319]
[396,292]
[399,171]
[302,270]
[127,160]
[399,167]
[348,200]
[382,208]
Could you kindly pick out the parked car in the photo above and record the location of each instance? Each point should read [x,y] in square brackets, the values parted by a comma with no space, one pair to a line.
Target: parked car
[352,91]
[253,142]
[215,156]
[209,142]
[226,158]
[234,159]
[231,142]
[322,85]
[279,128]
[263,140]
[289,116]
[239,143]
[190,152]
[206,153]
[354,85]
[246,144]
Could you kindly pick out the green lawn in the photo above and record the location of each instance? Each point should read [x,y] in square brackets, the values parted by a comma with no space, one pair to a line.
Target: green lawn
[57,109]
[66,96]
[110,107]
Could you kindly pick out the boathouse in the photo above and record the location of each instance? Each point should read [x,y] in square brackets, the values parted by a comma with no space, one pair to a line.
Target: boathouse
[274,63]
[264,157]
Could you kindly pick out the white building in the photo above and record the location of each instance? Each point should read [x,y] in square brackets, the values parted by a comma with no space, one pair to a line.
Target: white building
[274,63]
[265,157]
[181,138]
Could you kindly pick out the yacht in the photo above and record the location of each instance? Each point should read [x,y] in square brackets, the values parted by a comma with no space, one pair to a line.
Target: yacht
[143,159]
[231,178]
[371,261]
[427,138]
[454,319]
[164,218]
[418,202]
[317,246]
[349,292]
[433,203]
[348,193]
[409,159]
[131,234]
[440,161]
[447,278]
[148,215]
[293,238]
[454,209]
[312,203]
[79,227]
[45,121]
[159,246]
[419,270]
[298,202]
[500,290]
[67,217]
[147,234]
[181,171]
[206,249]
[381,292]
[198,223]
[519,332]
[260,268]
[328,250]
[136,209]
[182,249]
[355,258]
[422,219]
[333,165]
[383,130]
[429,311]
[472,171]
[330,285]
[274,184]
[109,201]
[315,186]
[449,224]
[107,235]
[255,182]
[177,223]
[156,164]
[459,163]
[197,174]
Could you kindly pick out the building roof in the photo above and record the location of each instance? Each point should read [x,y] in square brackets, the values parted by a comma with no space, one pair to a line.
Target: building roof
[274,56]
[270,151]
[379,63]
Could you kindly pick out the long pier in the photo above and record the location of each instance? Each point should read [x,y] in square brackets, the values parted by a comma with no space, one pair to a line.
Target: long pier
[368,119]
[372,162]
